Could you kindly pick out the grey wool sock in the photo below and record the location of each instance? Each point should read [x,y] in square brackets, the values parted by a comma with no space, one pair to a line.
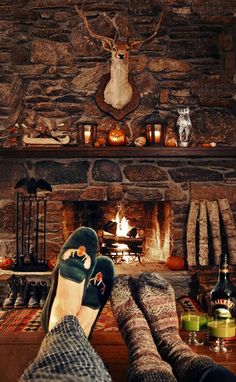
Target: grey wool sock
[157,301]
[146,364]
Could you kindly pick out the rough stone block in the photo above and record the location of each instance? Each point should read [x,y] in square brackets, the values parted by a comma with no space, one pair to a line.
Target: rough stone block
[65,173]
[175,193]
[143,194]
[144,172]
[60,53]
[190,174]
[168,64]
[11,171]
[94,193]
[106,171]
[213,192]
[115,192]
[7,213]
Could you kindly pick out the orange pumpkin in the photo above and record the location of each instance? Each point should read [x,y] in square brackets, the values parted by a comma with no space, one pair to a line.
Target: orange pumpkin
[6,263]
[175,263]
[116,137]
[52,262]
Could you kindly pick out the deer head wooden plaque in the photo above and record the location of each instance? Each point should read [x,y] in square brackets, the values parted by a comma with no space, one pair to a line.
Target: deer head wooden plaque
[117,94]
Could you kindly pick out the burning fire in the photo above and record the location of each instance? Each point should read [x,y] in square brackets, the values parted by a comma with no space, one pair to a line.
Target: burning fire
[122,225]
[122,229]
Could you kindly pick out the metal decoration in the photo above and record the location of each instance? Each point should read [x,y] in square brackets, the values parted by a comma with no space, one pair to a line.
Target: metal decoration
[31,214]
[184,125]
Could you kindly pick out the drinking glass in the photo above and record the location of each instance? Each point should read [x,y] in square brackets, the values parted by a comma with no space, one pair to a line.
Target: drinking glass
[194,322]
[221,329]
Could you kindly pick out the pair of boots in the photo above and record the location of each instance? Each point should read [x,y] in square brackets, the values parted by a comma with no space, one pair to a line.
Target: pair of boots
[23,294]
[145,310]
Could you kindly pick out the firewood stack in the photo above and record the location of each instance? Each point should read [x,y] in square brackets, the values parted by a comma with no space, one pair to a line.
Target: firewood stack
[209,219]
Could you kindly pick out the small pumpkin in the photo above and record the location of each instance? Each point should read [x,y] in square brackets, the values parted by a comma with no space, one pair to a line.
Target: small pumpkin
[116,137]
[175,263]
[6,263]
[52,262]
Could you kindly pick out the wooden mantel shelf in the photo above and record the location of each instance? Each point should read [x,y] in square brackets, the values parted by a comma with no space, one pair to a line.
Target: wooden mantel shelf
[117,152]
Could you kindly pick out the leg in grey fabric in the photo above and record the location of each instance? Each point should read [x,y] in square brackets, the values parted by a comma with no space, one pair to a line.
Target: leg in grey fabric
[66,355]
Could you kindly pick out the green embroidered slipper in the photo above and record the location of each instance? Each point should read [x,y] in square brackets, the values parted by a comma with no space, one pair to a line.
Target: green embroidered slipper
[100,286]
[76,262]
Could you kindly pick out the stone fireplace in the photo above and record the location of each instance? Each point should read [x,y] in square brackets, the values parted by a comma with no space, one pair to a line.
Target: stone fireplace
[90,191]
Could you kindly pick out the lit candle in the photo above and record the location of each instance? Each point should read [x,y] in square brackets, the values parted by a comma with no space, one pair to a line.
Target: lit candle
[157,136]
[157,133]
[87,134]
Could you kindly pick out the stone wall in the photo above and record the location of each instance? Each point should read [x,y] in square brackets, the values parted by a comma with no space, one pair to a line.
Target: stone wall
[50,67]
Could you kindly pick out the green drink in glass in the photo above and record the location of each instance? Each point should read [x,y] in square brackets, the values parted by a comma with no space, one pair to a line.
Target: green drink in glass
[221,329]
[194,322]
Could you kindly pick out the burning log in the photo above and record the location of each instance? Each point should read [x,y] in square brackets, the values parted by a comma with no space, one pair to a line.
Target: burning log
[123,239]
[110,227]
[133,232]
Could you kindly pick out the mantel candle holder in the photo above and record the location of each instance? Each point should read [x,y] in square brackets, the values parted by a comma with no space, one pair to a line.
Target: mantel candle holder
[87,133]
[155,130]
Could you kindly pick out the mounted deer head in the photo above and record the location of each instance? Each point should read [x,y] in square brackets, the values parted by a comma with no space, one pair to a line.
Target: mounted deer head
[118,91]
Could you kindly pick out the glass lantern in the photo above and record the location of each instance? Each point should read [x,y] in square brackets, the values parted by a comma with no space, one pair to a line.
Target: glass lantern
[87,133]
[155,130]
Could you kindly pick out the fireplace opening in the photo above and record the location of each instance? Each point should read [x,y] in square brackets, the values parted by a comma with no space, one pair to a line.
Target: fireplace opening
[128,231]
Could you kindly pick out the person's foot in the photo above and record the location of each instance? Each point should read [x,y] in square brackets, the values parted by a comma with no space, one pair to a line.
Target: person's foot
[70,278]
[97,294]
[67,301]
[146,364]
[156,298]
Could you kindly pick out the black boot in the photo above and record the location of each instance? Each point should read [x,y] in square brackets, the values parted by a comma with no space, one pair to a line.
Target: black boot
[33,298]
[43,288]
[21,299]
[13,285]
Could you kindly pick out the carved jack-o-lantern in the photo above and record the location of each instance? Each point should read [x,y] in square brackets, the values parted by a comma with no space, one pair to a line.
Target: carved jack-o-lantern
[116,137]
[6,263]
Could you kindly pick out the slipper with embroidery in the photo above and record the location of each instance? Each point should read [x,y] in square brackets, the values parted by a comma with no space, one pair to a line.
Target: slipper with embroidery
[100,286]
[76,262]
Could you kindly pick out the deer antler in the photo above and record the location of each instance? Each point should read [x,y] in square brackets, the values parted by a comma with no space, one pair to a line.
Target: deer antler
[105,40]
[137,44]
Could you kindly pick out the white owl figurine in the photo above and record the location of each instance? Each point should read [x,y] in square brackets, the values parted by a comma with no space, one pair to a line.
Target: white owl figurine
[184,125]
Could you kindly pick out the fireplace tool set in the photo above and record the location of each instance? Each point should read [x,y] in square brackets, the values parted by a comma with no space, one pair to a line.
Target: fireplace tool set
[31,211]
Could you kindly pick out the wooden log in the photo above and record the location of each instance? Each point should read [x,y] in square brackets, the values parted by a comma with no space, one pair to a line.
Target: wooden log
[203,234]
[214,218]
[123,239]
[230,229]
[191,233]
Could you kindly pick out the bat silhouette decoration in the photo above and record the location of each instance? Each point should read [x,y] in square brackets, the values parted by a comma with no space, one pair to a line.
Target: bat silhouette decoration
[31,185]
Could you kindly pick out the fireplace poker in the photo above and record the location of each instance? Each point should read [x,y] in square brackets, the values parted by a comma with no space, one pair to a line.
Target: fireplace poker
[44,228]
[36,231]
[29,225]
[22,255]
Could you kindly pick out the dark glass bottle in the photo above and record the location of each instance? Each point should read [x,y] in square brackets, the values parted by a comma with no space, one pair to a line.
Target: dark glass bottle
[223,295]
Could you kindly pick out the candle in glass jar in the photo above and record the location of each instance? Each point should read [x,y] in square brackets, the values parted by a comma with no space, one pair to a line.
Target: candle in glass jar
[87,134]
